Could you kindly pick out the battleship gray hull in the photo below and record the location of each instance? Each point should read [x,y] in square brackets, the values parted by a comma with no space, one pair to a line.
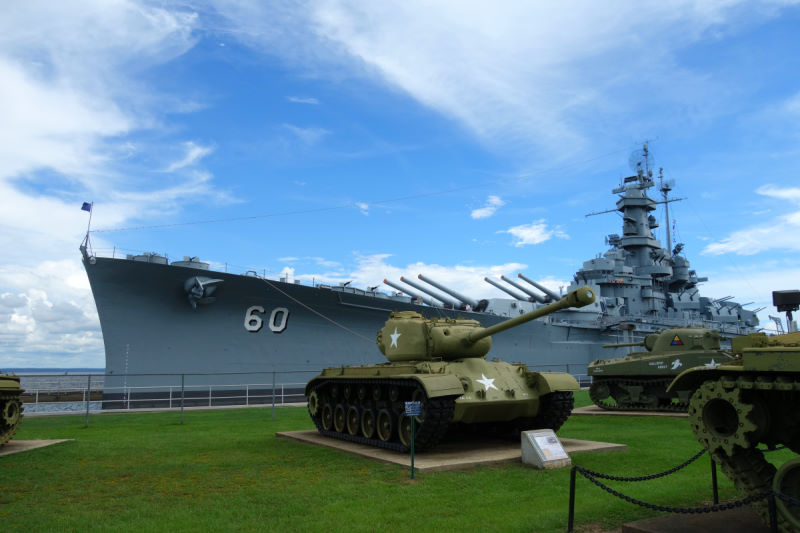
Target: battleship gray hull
[152,333]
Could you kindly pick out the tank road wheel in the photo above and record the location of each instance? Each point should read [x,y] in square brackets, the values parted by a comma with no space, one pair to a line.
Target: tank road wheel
[394,393]
[404,430]
[313,403]
[368,423]
[376,392]
[599,392]
[347,391]
[327,416]
[11,412]
[787,481]
[361,393]
[353,420]
[339,418]
[723,418]
[385,425]
[419,396]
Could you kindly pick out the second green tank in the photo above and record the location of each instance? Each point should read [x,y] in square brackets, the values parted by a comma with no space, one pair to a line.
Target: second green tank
[639,380]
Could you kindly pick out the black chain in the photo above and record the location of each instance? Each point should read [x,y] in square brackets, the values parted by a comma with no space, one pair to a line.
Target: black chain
[589,473]
[689,510]
[787,499]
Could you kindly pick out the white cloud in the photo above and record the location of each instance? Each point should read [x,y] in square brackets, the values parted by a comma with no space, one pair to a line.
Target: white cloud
[780,233]
[309,136]
[363,207]
[194,153]
[534,233]
[493,203]
[301,100]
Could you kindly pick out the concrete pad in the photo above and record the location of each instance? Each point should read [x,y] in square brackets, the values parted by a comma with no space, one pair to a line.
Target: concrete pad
[16,446]
[593,410]
[738,520]
[448,455]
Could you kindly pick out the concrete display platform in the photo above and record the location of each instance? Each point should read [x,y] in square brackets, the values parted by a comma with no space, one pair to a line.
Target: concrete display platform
[450,454]
[593,410]
[16,446]
[740,520]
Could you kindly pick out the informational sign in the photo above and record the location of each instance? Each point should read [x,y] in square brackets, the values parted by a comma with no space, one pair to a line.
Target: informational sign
[413,408]
[542,449]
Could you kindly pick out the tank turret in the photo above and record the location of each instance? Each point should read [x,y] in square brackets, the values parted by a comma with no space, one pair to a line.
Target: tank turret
[445,338]
[441,363]
[639,380]
[10,406]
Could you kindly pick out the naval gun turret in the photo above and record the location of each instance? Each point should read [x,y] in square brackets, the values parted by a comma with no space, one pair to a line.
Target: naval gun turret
[639,380]
[441,363]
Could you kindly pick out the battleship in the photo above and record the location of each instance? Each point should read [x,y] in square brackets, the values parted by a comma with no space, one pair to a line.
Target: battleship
[163,319]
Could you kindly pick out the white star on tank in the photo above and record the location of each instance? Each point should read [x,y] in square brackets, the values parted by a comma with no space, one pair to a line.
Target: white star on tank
[712,364]
[488,383]
[394,337]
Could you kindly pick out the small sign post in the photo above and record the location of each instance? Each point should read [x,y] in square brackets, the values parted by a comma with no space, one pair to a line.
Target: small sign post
[413,409]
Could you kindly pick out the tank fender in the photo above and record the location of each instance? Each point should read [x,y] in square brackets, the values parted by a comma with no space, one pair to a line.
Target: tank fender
[441,385]
[547,382]
[692,378]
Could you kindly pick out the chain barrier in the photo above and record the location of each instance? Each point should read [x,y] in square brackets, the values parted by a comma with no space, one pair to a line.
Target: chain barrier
[593,476]
[586,471]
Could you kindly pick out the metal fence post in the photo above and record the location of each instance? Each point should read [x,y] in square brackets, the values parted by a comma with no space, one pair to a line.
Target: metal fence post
[273,395]
[714,480]
[247,394]
[182,395]
[773,513]
[88,399]
[571,519]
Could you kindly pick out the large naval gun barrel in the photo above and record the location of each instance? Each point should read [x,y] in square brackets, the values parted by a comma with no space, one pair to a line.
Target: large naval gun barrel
[539,286]
[447,301]
[529,292]
[506,290]
[457,295]
[408,336]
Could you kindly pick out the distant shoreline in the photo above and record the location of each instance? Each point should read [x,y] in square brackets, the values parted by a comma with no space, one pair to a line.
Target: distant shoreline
[55,370]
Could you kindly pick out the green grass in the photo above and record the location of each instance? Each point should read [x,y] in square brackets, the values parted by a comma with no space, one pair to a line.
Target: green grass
[226,471]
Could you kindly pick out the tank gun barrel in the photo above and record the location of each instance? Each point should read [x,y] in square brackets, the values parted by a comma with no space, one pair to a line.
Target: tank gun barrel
[541,287]
[411,293]
[426,290]
[451,292]
[527,291]
[624,344]
[578,298]
[506,290]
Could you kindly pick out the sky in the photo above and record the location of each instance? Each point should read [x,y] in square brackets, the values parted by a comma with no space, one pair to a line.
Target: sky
[333,141]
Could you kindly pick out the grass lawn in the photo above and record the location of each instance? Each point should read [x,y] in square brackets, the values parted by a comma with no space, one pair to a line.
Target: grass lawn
[226,471]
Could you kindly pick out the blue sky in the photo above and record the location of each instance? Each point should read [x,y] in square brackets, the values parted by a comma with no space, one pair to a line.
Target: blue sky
[359,141]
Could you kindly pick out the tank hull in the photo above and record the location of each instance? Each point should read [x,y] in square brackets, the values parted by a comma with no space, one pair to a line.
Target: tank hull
[489,396]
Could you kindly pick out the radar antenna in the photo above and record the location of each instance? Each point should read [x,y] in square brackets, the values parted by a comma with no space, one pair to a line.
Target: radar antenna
[641,162]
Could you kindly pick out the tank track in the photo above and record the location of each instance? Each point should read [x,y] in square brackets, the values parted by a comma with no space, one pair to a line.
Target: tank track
[437,412]
[554,410]
[10,414]
[655,387]
[732,416]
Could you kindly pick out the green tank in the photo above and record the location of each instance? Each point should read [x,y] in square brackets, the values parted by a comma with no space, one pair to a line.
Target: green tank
[751,401]
[442,364]
[639,380]
[10,406]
